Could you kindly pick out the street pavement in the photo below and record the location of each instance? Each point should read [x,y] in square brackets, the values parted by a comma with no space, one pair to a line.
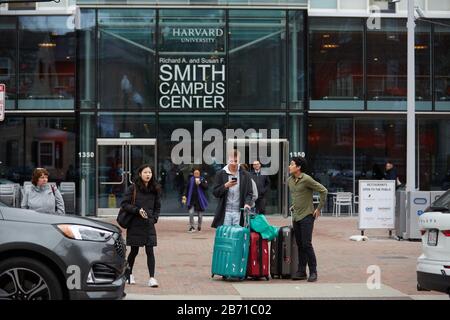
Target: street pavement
[183,266]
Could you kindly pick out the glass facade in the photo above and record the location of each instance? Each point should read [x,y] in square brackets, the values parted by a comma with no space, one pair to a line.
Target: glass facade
[301,4]
[434,154]
[376,142]
[330,152]
[257,39]
[336,64]
[47,63]
[386,66]
[343,151]
[442,65]
[37,62]
[126,59]
[31,142]
[162,74]
[8,59]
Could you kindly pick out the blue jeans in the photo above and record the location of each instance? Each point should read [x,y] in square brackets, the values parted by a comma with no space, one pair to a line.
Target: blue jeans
[232,218]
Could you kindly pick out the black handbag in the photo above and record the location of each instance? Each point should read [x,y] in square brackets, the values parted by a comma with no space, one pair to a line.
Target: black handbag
[124,218]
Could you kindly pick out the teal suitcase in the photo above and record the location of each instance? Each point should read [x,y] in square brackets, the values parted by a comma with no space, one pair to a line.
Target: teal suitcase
[230,255]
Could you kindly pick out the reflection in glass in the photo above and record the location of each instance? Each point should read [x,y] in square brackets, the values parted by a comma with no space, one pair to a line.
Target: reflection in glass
[127,58]
[387,65]
[8,59]
[126,125]
[173,177]
[257,59]
[47,59]
[379,141]
[442,66]
[434,154]
[50,143]
[330,153]
[336,53]
[12,153]
[253,126]
[423,65]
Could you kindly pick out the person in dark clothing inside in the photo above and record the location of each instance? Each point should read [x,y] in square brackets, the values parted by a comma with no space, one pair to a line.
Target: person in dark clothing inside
[391,174]
[143,200]
[391,171]
[196,199]
[262,184]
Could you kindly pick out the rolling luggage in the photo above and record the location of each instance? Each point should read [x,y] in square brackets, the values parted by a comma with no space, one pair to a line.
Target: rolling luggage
[284,254]
[231,247]
[258,260]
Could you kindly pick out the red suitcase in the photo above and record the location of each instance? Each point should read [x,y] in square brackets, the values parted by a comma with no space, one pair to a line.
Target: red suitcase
[258,258]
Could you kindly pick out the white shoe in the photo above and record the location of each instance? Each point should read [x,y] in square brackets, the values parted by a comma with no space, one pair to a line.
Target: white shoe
[132,281]
[153,283]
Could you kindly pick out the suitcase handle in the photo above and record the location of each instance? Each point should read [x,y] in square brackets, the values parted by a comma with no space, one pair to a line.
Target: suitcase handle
[247,213]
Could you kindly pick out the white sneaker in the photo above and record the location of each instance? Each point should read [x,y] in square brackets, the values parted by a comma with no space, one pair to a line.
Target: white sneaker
[132,281]
[153,283]
[191,230]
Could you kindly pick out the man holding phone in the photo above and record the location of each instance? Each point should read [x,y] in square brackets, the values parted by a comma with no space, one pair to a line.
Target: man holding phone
[234,191]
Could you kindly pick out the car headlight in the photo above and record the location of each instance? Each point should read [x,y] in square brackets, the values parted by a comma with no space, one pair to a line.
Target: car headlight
[79,232]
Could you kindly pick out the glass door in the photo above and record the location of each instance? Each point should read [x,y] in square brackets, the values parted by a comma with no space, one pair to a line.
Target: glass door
[117,163]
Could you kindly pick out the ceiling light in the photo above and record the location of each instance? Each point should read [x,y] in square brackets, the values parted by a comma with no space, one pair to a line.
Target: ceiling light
[326,35]
[330,46]
[421,46]
[47,45]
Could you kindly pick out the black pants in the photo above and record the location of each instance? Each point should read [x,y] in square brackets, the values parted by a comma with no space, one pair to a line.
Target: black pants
[303,230]
[150,259]
[260,205]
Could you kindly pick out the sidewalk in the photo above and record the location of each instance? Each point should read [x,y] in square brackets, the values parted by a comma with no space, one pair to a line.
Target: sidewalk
[183,262]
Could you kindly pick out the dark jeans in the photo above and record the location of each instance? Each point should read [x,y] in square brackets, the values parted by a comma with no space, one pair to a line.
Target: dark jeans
[260,205]
[303,230]
[150,259]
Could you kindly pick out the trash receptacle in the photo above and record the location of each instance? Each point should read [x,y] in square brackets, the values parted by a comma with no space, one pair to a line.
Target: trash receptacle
[417,202]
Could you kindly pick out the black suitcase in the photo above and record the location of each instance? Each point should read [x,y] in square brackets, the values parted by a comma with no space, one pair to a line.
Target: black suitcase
[284,254]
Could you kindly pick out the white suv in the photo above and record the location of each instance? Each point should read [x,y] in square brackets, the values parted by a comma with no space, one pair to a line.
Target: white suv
[433,266]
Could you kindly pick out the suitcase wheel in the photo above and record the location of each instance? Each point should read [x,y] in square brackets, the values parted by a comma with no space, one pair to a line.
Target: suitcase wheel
[212,276]
[267,278]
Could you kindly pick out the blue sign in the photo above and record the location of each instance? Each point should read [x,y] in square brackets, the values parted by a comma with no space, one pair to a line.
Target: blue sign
[420,212]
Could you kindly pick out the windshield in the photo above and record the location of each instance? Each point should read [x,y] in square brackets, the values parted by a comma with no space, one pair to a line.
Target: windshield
[443,201]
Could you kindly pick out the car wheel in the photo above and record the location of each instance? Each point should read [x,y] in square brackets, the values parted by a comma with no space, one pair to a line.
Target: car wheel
[28,279]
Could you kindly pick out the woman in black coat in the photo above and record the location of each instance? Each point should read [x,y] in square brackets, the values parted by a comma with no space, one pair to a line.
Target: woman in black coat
[143,201]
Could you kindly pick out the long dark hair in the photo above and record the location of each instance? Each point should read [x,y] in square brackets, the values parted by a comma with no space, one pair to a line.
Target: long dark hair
[152,186]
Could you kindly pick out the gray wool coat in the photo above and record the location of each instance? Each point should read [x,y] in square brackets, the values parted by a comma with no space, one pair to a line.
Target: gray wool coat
[42,199]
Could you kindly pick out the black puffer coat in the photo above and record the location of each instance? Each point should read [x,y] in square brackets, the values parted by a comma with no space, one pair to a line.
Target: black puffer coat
[142,232]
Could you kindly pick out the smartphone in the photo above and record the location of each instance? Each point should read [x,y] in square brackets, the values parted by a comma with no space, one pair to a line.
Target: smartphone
[234,179]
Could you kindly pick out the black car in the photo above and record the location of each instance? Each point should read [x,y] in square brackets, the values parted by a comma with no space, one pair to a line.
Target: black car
[47,256]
